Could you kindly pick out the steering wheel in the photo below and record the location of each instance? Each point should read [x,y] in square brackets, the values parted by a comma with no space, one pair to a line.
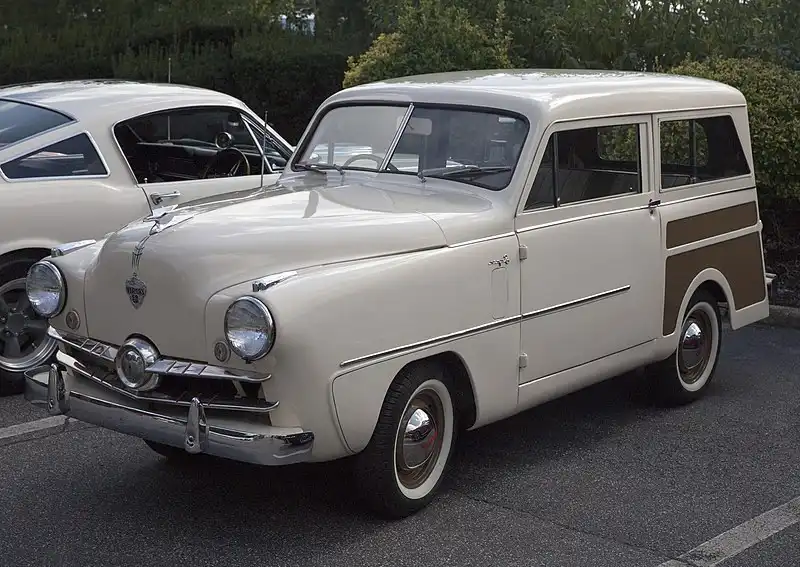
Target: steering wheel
[241,159]
[374,157]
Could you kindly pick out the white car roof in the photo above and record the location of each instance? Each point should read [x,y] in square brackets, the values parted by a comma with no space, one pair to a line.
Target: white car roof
[558,93]
[112,100]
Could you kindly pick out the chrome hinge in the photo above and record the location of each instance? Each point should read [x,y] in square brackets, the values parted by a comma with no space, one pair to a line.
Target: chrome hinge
[523,360]
[523,252]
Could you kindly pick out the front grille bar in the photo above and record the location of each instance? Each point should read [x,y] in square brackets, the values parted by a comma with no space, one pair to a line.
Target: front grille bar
[216,402]
[164,366]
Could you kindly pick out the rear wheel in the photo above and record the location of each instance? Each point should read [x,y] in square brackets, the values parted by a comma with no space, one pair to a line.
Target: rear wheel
[400,470]
[24,343]
[687,373]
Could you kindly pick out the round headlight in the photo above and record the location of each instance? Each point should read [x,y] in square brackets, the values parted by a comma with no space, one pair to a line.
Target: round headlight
[45,288]
[249,328]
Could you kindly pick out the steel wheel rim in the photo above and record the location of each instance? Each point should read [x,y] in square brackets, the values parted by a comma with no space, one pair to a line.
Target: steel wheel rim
[24,342]
[418,444]
[695,347]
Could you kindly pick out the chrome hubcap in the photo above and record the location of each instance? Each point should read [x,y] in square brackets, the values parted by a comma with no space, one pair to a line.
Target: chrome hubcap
[23,333]
[695,347]
[419,439]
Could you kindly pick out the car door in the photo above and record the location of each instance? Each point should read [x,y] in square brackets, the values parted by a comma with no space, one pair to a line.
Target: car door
[591,281]
[184,154]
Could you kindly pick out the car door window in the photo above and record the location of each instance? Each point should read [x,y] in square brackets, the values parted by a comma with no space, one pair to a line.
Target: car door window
[193,143]
[585,164]
[74,157]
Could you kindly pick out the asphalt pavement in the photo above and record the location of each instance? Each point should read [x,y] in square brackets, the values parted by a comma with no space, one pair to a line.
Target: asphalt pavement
[599,478]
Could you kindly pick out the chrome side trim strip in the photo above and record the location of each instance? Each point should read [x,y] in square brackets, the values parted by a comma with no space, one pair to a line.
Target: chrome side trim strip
[165,366]
[572,219]
[485,327]
[575,303]
[429,342]
[484,239]
[263,284]
[185,400]
[66,248]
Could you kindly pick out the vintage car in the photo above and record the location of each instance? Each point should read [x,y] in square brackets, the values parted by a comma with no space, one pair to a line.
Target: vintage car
[81,158]
[509,237]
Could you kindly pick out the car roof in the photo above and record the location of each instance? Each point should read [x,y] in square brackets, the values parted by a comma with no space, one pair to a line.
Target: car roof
[567,93]
[112,99]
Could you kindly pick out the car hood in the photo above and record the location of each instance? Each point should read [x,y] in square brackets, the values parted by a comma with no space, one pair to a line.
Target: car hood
[203,247]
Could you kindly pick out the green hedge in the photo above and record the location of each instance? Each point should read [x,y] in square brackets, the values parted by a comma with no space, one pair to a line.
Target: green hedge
[268,68]
[773,96]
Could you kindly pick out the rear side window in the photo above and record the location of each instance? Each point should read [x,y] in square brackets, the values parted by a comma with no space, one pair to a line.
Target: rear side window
[73,157]
[20,121]
[700,149]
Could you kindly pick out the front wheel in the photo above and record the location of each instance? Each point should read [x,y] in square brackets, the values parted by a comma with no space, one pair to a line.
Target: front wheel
[400,470]
[687,373]
[24,342]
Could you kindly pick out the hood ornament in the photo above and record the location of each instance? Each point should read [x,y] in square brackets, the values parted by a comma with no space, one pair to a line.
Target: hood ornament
[134,286]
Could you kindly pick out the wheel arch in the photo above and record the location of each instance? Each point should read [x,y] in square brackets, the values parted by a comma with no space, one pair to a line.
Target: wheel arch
[33,253]
[370,385]
[716,284]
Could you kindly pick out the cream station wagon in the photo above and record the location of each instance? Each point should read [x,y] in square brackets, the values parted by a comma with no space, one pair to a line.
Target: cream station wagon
[500,239]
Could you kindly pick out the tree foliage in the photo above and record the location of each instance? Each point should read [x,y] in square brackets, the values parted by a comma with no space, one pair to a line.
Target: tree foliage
[431,36]
[773,95]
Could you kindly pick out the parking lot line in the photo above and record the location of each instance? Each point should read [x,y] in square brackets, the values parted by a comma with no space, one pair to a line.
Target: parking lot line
[745,535]
[36,429]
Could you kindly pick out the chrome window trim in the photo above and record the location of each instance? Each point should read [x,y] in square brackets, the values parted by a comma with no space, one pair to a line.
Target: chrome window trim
[163,366]
[259,145]
[398,351]
[86,133]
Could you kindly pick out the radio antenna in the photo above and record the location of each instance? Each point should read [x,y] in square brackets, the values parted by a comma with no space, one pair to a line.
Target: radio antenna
[264,150]
[169,69]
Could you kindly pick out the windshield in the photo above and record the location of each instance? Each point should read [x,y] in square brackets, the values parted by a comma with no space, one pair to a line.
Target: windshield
[20,121]
[475,146]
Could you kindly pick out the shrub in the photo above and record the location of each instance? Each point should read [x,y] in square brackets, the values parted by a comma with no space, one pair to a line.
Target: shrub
[431,37]
[773,95]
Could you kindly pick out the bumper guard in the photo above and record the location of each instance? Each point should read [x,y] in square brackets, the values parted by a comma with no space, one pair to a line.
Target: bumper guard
[49,386]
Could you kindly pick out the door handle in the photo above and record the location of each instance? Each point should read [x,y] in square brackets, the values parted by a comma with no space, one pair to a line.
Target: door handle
[157,198]
[653,203]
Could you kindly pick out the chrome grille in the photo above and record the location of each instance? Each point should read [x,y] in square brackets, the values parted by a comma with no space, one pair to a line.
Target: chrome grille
[217,388]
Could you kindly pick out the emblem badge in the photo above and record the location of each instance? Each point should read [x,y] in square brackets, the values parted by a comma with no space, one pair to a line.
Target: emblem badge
[136,290]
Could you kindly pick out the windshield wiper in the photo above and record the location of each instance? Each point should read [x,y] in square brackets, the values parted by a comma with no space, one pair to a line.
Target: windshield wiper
[466,171]
[319,167]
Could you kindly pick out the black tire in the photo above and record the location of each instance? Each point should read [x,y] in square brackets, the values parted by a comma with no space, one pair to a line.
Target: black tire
[15,267]
[672,383]
[378,469]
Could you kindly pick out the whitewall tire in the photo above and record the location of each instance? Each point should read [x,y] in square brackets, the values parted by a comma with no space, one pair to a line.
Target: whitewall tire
[402,467]
[687,373]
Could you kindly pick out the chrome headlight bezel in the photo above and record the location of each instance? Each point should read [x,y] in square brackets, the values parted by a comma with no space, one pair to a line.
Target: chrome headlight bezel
[58,278]
[257,307]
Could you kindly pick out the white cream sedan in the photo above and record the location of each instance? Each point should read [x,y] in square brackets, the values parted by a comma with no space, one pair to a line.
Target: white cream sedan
[440,253]
[81,158]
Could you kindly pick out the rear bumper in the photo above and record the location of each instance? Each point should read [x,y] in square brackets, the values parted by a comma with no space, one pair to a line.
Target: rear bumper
[265,445]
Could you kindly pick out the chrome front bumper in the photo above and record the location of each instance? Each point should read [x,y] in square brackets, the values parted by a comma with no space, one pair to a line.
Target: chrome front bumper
[50,386]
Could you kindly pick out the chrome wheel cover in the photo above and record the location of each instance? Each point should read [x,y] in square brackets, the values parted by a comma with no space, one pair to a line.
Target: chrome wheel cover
[24,342]
[696,346]
[418,444]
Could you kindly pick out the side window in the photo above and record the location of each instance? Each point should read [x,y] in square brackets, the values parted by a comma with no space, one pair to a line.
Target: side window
[698,150]
[73,157]
[186,143]
[586,164]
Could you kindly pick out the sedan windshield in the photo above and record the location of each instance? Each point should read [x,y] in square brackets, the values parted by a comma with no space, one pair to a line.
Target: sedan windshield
[475,146]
